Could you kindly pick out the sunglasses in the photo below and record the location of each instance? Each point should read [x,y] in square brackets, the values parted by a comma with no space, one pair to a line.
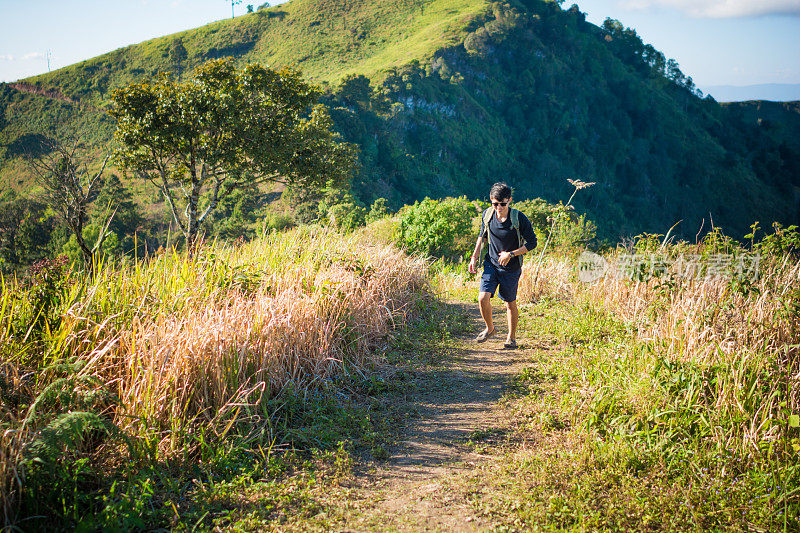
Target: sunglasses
[503,204]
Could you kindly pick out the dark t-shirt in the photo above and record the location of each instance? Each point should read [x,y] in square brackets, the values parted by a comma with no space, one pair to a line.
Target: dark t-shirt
[505,234]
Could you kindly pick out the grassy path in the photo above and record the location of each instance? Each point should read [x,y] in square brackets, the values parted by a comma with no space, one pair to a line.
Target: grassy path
[456,404]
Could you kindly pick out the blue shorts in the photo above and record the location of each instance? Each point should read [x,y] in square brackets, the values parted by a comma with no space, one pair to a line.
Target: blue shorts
[507,281]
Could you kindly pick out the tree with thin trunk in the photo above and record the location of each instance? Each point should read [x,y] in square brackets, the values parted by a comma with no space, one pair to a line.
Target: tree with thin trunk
[225,130]
[234,3]
[177,55]
[70,186]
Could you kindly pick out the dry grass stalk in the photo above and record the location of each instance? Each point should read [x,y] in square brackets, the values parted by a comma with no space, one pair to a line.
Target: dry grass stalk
[555,277]
[187,344]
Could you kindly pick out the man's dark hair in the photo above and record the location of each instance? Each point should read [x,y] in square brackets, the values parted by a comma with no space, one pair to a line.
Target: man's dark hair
[500,191]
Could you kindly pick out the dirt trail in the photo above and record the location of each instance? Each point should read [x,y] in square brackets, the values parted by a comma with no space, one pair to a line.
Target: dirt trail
[454,401]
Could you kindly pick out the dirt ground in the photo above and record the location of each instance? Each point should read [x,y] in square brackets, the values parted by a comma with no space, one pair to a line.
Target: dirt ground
[457,401]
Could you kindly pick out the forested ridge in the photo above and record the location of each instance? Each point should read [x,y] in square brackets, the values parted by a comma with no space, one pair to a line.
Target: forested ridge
[537,95]
[445,97]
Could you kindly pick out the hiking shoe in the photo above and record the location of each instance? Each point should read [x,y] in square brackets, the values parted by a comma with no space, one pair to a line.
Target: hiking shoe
[510,345]
[484,335]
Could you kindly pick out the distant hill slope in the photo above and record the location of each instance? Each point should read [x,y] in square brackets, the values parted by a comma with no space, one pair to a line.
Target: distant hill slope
[776,92]
[328,39]
[457,94]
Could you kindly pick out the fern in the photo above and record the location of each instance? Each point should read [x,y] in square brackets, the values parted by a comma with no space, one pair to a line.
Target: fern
[75,392]
[75,431]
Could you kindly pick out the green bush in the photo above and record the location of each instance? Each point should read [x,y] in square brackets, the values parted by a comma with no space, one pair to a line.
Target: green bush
[439,228]
[569,229]
[110,247]
[778,243]
[277,222]
[340,209]
[378,210]
[347,216]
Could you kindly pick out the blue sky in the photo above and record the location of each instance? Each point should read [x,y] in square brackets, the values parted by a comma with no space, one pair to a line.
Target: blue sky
[716,42]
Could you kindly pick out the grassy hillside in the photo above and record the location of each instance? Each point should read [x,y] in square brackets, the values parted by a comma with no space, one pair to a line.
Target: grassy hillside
[328,39]
[457,94]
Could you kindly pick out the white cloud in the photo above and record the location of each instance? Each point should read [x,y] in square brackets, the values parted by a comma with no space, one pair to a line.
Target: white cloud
[33,55]
[6,57]
[723,8]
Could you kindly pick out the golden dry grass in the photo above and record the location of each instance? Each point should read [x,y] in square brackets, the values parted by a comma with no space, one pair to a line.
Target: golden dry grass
[198,345]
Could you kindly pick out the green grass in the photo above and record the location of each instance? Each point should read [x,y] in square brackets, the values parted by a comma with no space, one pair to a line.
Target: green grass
[328,39]
[622,433]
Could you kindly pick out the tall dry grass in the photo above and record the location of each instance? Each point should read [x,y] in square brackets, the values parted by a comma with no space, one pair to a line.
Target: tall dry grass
[550,276]
[741,336]
[185,346]
[732,344]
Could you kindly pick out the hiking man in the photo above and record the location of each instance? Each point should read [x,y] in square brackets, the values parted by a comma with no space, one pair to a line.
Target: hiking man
[510,235]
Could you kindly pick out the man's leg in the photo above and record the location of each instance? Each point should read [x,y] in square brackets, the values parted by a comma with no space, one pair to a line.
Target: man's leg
[512,315]
[485,304]
[508,292]
[488,285]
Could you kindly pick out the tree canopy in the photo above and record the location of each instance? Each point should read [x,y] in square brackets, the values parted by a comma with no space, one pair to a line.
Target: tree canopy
[227,129]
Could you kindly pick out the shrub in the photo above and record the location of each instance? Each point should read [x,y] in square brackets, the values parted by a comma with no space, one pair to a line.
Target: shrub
[569,229]
[378,210]
[340,209]
[347,216]
[277,222]
[439,228]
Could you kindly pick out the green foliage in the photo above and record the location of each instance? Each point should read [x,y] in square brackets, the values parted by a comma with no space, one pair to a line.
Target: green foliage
[26,228]
[567,229]
[441,228]
[224,130]
[618,133]
[41,295]
[428,93]
[276,222]
[110,246]
[778,243]
[236,213]
[378,210]
[346,216]
[340,209]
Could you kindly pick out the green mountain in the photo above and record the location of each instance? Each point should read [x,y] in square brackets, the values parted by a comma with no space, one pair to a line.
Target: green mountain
[447,96]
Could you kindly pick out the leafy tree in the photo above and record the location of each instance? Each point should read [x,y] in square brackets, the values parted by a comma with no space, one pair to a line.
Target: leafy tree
[355,90]
[177,55]
[71,188]
[224,130]
[25,229]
